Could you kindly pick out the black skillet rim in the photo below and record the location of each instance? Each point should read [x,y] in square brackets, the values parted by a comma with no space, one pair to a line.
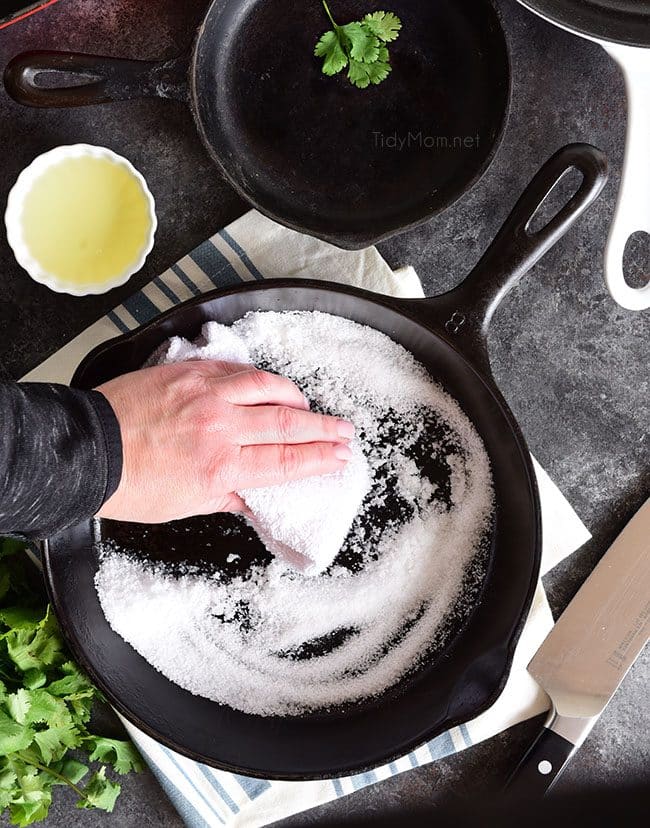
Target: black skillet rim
[606,31]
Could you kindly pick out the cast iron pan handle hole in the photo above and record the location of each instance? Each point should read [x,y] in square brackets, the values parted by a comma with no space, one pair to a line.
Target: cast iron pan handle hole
[561,192]
[636,260]
[60,79]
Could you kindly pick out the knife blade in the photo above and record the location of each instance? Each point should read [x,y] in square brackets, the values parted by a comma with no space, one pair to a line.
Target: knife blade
[585,657]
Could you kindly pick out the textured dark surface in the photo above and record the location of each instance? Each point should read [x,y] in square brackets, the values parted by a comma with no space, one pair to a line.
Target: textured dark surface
[572,365]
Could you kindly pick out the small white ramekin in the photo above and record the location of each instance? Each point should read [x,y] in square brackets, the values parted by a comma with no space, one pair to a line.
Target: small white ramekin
[14,211]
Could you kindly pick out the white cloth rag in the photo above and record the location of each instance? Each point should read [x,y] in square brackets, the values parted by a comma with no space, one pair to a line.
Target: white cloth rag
[304,522]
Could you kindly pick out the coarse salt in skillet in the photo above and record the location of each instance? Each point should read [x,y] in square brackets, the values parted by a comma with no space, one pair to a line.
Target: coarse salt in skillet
[274,642]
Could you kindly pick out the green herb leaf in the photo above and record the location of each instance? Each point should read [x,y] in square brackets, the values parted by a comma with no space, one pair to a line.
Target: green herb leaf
[34,678]
[384,25]
[359,45]
[48,709]
[45,704]
[363,74]
[378,71]
[13,736]
[329,47]
[358,74]
[30,807]
[71,770]
[100,792]
[362,44]
[18,705]
[116,752]
[54,742]
[20,618]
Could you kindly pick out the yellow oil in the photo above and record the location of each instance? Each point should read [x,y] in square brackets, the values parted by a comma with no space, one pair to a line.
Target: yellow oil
[86,220]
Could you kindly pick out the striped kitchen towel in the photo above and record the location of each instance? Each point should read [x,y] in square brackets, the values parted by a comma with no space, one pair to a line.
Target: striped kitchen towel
[254,248]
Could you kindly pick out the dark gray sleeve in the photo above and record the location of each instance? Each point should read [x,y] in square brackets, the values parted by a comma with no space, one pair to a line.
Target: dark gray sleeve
[60,457]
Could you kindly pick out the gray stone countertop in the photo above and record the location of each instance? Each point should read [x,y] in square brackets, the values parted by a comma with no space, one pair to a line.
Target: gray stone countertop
[572,365]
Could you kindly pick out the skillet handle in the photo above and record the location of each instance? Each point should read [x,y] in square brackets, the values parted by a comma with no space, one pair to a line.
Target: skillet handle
[101,79]
[464,313]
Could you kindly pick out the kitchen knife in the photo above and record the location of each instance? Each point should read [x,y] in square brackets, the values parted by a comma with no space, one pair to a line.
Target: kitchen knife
[588,652]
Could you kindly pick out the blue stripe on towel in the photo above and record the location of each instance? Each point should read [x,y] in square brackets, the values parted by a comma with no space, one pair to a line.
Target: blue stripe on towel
[253,787]
[338,788]
[361,780]
[466,736]
[441,746]
[115,319]
[190,816]
[219,788]
[164,287]
[141,307]
[232,244]
[215,265]
[179,764]
[185,279]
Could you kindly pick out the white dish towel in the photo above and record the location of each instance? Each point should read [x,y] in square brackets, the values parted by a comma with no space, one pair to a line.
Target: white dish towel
[254,248]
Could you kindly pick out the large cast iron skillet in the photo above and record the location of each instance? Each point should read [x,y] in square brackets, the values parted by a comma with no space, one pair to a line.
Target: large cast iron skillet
[350,166]
[448,335]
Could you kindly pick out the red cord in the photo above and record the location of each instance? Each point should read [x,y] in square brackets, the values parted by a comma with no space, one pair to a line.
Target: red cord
[27,14]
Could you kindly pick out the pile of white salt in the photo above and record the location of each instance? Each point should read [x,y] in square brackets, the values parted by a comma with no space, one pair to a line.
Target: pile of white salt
[275,642]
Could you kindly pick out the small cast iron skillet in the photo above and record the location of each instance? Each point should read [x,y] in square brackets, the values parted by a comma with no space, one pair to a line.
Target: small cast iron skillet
[448,335]
[314,153]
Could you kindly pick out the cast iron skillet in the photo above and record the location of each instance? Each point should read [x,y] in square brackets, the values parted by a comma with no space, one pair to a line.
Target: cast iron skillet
[312,152]
[448,334]
[621,21]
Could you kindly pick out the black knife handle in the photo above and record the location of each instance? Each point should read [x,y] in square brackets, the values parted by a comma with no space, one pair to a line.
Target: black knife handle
[541,766]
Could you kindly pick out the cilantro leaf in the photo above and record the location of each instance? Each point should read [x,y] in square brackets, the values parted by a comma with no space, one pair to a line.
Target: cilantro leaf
[45,705]
[69,685]
[329,47]
[358,74]
[48,709]
[35,650]
[18,705]
[359,45]
[30,807]
[27,618]
[363,74]
[70,770]
[13,736]
[54,742]
[34,677]
[384,25]
[100,792]
[116,752]
[362,44]
[378,71]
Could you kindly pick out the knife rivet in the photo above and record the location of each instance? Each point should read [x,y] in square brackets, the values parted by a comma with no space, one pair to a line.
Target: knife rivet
[545,767]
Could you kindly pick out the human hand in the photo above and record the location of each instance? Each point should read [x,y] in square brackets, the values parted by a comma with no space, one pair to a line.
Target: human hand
[195,433]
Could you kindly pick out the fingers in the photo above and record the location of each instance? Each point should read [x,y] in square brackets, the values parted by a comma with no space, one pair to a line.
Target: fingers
[268,424]
[218,369]
[234,503]
[271,465]
[261,388]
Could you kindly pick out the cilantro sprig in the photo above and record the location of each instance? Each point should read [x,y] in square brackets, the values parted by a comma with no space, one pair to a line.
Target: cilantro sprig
[361,46]
[45,708]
